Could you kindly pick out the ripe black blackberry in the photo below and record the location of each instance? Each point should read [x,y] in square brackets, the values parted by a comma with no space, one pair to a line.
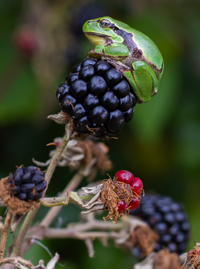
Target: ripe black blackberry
[97,97]
[167,218]
[27,183]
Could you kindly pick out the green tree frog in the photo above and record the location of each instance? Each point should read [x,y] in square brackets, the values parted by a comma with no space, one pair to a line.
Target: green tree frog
[129,51]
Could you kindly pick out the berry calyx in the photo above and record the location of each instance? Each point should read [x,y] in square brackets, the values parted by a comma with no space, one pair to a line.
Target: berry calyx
[124,176]
[137,185]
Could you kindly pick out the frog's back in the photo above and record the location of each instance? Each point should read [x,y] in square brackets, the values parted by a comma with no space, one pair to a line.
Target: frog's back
[142,43]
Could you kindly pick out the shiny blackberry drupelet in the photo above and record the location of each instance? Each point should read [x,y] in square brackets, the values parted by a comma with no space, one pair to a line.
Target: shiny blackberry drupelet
[168,219]
[97,97]
[28,183]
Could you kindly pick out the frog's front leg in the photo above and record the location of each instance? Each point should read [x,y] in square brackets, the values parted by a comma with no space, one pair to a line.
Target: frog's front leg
[143,80]
[115,51]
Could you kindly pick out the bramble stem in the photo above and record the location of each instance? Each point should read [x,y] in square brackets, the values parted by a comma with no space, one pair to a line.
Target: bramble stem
[48,175]
[54,210]
[4,235]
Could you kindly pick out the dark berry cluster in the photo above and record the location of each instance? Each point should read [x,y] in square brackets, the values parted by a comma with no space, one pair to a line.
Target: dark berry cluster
[168,219]
[97,97]
[28,183]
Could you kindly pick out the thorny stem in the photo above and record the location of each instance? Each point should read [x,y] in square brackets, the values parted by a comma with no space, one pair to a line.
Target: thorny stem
[48,175]
[4,235]
[54,210]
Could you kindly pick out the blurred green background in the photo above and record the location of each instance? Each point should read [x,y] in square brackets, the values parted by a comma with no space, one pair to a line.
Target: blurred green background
[40,43]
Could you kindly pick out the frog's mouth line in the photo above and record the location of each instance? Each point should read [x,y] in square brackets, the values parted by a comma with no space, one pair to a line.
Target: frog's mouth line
[96,34]
[98,39]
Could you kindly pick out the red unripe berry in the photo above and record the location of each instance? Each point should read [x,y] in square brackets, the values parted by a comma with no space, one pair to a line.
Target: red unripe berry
[134,203]
[121,206]
[124,176]
[137,185]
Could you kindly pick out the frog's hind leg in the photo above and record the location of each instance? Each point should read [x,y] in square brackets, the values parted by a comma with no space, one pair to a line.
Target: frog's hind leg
[143,80]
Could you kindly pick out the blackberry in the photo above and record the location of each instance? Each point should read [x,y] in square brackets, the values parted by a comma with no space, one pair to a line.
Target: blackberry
[168,219]
[28,183]
[97,98]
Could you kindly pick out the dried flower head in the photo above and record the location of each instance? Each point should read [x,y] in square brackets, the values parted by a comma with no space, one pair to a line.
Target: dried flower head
[81,153]
[166,260]
[113,192]
[144,238]
[193,257]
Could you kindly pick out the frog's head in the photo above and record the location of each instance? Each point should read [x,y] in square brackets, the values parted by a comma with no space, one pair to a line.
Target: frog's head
[100,31]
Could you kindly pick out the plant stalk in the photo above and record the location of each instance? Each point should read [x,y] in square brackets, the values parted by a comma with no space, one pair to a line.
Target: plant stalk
[4,235]
[48,175]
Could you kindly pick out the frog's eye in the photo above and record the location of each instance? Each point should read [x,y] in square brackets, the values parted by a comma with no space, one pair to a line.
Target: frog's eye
[105,23]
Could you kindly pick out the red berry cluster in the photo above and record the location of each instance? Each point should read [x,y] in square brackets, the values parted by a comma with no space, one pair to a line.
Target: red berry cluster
[135,183]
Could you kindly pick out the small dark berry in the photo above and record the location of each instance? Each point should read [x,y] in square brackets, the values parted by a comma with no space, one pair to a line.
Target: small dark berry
[78,111]
[164,208]
[125,103]
[99,115]
[31,196]
[67,103]
[101,67]
[27,177]
[179,216]
[88,61]
[22,196]
[77,68]
[113,76]
[86,72]
[31,169]
[38,172]
[62,90]
[165,239]
[41,186]
[175,207]
[174,229]
[154,219]
[169,218]
[180,237]
[18,173]
[172,247]
[121,89]
[128,115]
[90,101]
[17,178]
[110,101]
[79,88]
[161,227]
[134,99]
[27,187]
[99,130]
[116,121]
[185,226]
[97,85]
[82,124]
[71,78]
[37,179]
[16,190]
